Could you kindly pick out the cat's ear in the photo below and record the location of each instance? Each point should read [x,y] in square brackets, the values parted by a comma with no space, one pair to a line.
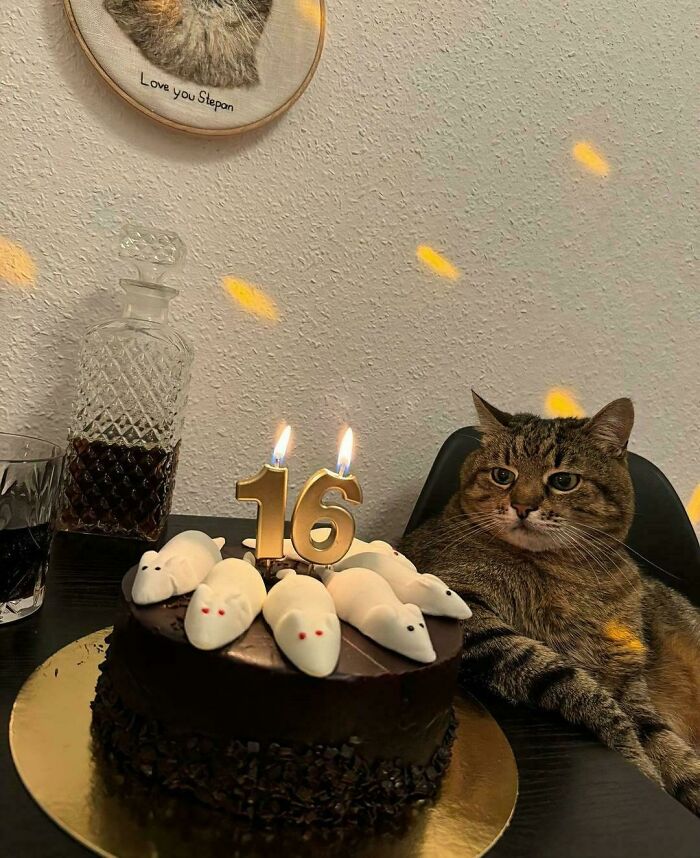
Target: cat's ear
[490,418]
[610,428]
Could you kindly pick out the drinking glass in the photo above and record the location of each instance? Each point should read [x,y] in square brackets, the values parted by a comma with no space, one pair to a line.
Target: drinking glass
[30,483]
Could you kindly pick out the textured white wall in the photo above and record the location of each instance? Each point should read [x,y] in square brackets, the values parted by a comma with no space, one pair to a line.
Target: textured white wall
[449,124]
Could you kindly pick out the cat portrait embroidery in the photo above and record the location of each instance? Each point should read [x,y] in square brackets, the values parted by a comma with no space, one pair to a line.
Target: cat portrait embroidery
[563,617]
[208,42]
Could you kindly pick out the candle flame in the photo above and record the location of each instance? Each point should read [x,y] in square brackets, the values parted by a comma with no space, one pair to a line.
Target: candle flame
[345,453]
[280,450]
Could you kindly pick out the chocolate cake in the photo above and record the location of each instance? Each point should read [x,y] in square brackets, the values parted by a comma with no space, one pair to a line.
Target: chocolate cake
[242,730]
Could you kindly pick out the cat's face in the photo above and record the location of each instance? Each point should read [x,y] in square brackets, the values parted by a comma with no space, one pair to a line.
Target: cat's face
[549,485]
[205,42]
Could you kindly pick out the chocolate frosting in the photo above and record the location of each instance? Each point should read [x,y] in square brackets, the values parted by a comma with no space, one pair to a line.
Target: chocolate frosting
[387,706]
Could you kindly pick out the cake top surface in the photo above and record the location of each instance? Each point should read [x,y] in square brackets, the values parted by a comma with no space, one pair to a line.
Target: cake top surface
[360,657]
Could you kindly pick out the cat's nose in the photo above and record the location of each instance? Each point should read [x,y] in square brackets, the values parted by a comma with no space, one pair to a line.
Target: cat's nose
[523,510]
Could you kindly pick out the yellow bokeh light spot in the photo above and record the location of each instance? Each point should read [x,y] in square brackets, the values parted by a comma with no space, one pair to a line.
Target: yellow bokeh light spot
[16,265]
[436,262]
[693,507]
[621,634]
[310,10]
[585,154]
[251,299]
[560,402]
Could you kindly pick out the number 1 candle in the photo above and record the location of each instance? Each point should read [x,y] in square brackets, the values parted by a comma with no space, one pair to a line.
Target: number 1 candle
[268,488]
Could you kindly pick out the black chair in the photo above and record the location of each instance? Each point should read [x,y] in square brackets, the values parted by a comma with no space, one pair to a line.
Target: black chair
[662,538]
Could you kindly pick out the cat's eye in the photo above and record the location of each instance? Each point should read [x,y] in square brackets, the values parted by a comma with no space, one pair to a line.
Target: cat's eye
[563,481]
[502,476]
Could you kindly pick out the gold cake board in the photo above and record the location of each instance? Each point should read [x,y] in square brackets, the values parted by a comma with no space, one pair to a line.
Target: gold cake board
[52,749]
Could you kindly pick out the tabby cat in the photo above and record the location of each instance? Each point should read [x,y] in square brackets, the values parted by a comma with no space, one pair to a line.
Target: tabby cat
[209,42]
[563,617]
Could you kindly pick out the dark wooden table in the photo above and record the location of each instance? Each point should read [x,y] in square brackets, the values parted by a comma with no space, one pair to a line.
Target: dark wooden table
[577,799]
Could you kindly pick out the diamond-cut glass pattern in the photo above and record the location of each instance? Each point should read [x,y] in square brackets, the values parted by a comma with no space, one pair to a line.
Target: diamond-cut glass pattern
[126,428]
[153,251]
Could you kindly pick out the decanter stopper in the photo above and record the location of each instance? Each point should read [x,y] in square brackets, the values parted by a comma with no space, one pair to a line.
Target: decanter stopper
[155,252]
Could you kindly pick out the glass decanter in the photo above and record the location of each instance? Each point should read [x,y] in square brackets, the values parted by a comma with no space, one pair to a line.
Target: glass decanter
[127,418]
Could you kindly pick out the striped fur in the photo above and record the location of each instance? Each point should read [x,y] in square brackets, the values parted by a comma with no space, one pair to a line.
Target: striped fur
[563,618]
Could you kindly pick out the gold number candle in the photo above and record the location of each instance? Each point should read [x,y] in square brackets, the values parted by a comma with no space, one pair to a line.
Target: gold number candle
[268,488]
[310,510]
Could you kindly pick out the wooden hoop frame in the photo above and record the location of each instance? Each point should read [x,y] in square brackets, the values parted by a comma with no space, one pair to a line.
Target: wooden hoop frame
[190,129]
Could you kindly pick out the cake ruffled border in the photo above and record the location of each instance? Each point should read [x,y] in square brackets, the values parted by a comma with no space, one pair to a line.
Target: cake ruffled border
[270,785]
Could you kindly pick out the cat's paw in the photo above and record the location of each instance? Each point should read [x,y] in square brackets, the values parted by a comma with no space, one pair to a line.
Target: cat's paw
[630,748]
[689,795]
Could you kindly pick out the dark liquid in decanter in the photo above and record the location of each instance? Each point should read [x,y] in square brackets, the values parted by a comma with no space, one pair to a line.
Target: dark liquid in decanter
[118,489]
[24,555]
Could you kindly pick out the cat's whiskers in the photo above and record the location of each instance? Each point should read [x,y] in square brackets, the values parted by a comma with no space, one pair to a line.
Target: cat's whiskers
[569,544]
[586,552]
[610,555]
[467,535]
[463,525]
[629,548]
[492,531]
[599,550]
[598,543]
[251,24]
[603,558]
[461,534]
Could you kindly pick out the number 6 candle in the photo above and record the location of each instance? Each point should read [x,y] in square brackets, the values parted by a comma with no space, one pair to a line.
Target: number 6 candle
[268,488]
[310,510]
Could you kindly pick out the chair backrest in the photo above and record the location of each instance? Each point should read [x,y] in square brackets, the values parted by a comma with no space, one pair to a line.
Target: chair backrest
[662,538]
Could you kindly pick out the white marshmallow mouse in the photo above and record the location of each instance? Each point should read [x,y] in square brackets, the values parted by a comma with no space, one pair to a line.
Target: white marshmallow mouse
[302,616]
[365,600]
[357,546]
[427,591]
[179,566]
[225,604]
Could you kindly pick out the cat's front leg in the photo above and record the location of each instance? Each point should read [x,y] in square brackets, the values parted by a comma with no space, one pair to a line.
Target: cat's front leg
[524,670]
[677,762]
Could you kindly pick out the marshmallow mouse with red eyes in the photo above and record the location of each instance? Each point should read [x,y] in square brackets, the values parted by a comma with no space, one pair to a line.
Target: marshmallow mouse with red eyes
[304,622]
[180,566]
[225,604]
[365,600]
[427,591]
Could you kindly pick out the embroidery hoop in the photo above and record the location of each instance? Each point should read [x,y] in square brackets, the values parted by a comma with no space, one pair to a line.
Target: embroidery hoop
[289,18]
